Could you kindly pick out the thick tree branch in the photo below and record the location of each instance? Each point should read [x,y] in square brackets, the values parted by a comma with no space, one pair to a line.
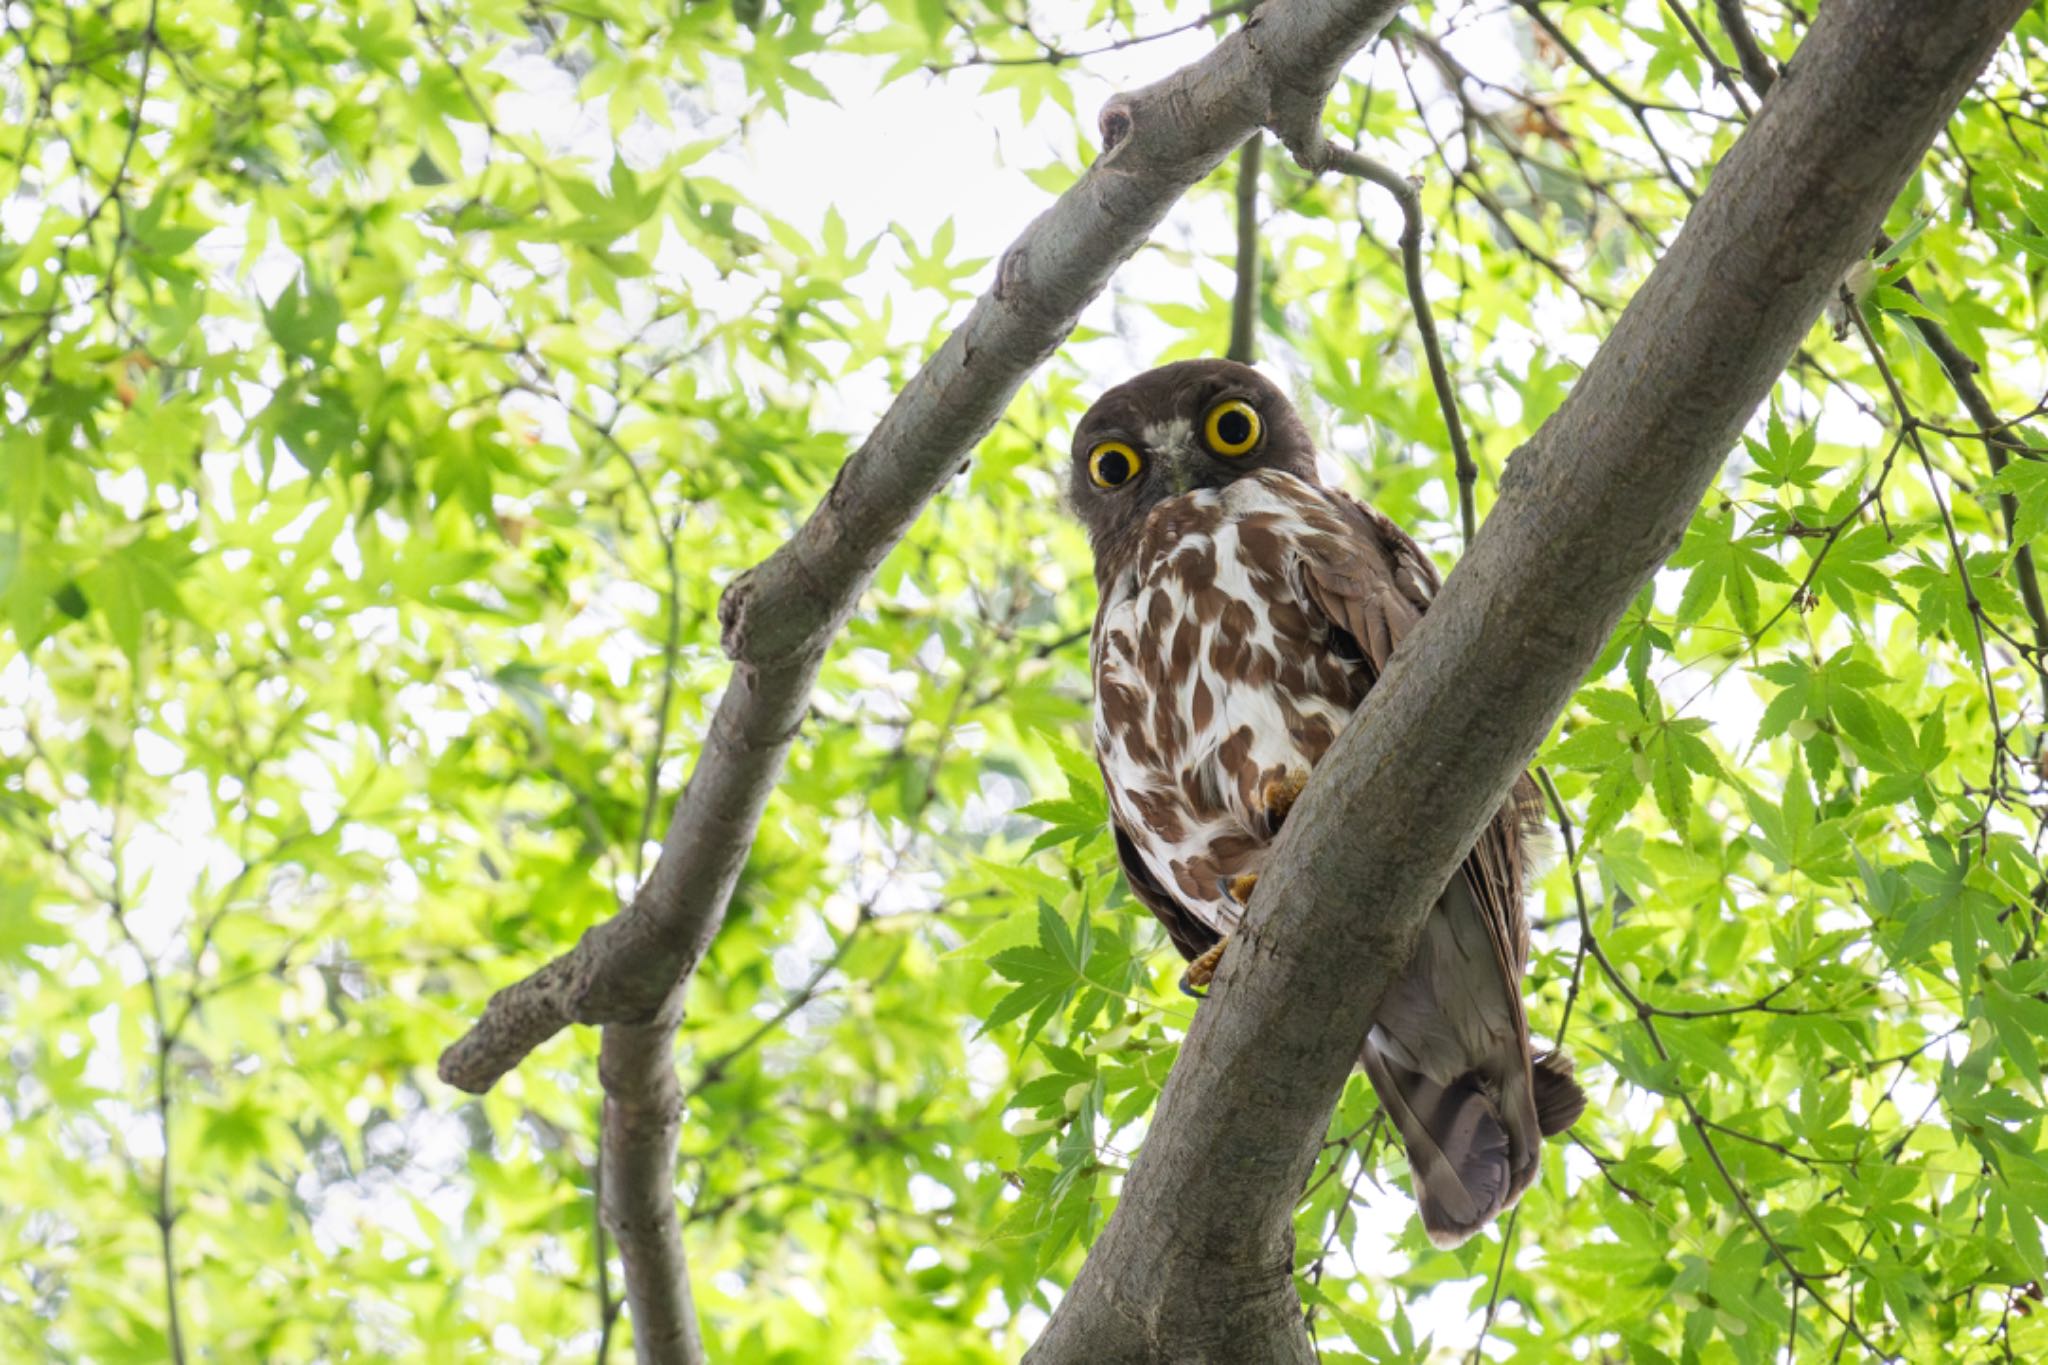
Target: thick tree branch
[780,617]
[1587,512]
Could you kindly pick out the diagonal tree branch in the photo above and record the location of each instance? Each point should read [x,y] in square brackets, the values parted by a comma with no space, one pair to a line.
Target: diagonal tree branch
[779,618]
[1587,512]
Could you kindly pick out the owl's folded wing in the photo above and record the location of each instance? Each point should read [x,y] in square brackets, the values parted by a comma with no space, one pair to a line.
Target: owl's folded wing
[1373,584]
[1190,936]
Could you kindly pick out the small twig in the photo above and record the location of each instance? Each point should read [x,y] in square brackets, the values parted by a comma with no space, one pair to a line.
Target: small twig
[1756,66]
[714,1070]
[1324,155]
[1507,1239]
[1955,546]
[1057,56]
[1722,74]
[1244,307]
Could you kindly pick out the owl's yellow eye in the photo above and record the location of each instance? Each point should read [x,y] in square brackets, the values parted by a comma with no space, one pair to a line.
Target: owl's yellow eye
[1113,464]
[1232,427]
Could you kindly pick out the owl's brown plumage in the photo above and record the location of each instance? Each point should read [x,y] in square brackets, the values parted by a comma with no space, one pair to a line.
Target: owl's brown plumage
[1245,610]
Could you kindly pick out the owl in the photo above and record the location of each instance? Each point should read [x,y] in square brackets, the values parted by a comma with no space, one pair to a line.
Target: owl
[1245,610]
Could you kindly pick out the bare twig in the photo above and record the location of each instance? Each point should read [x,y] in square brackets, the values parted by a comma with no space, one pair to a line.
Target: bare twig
[1500,1266]
[1053,55]
[1756,67]
[1722,74]
[1244,305]
[1322,155]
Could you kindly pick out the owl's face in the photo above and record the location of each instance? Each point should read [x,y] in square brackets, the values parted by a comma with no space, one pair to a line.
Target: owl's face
[1170,431]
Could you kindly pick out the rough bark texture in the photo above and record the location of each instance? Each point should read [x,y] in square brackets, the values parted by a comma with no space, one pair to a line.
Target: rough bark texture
[643,1115]
[1196,1264]
[780,617]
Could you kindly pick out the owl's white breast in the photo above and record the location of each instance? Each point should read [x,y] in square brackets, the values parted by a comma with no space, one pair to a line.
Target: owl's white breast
[1212,673]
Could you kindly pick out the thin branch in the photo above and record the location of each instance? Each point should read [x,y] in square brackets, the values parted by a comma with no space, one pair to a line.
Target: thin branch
[1756,67]
[1327,155]
[1638,108]
[1052,55]
[2001,442]
[166,1213]
[1507,1240]
[1955,546]
[711,1072]
[1722,74]
[1244,305]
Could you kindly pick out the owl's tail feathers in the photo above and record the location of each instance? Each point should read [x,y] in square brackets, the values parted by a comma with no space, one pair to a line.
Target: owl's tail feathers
[1461,1159]
[1458,1153]
[1559,1101]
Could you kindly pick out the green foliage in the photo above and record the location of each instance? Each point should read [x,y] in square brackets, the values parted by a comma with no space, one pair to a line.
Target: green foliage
[386,395]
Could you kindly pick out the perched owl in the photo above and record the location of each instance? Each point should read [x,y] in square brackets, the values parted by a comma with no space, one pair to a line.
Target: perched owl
[1245,611]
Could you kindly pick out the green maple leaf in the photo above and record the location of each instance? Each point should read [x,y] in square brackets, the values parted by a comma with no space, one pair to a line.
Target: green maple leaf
[1785,460]
[1046,976]
[1722,563]
[2026,482]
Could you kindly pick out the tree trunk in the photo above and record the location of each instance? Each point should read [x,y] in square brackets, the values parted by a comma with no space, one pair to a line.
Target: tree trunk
[1197,1261]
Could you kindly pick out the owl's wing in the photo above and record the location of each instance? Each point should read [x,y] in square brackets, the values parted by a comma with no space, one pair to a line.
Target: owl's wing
[1190,936]
[1449,1054]
[1374,585]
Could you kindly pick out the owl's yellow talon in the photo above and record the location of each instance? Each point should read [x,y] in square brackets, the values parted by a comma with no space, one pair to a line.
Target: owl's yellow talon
[1202,971]
[1277,797]
[1240,889]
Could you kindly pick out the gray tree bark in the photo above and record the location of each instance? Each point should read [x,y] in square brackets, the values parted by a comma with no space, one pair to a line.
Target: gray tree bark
[1197,1261]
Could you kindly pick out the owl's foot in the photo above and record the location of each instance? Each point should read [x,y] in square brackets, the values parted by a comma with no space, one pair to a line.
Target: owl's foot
[1202,971]
[1277,797]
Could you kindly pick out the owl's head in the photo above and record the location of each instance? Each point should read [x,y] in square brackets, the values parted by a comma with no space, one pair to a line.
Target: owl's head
[1190,425]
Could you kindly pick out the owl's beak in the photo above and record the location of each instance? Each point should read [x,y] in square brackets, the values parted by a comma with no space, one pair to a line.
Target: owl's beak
[1185,470]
